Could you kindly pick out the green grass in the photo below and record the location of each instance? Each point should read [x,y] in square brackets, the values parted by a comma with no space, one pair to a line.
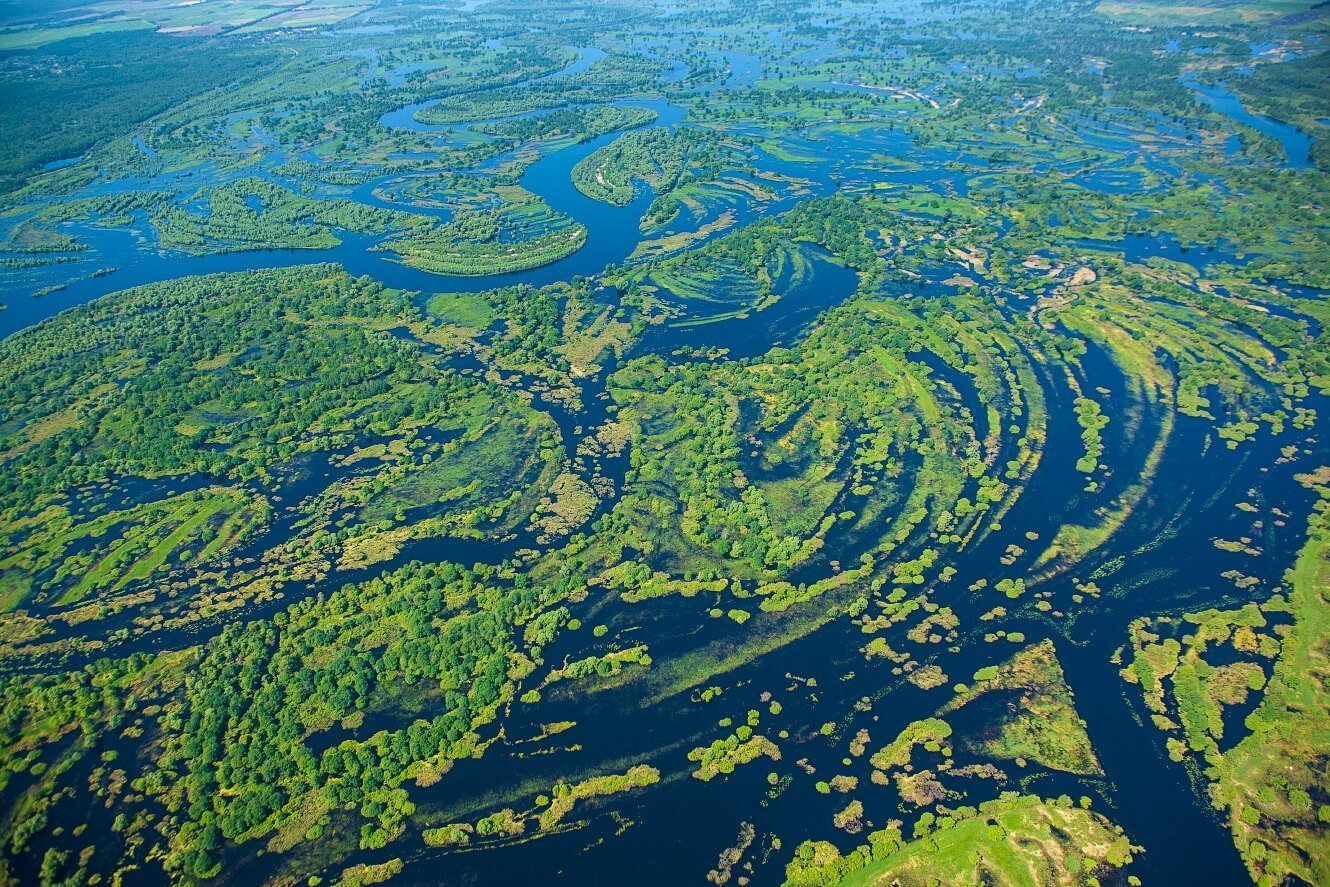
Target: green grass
[123,547]
[1207,12]
[481,472]
[1025,841]
[469,310]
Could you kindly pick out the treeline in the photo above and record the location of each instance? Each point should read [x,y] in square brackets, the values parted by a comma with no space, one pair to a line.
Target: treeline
[91,89]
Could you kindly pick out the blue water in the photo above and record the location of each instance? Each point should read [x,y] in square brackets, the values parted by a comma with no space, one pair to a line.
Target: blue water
[612,234]
[745,69]
[841,159]
[61,164]
[144,146]
[1296,143]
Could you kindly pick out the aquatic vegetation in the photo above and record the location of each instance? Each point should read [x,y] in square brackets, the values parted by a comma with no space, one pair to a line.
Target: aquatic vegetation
[582,124]
[931,731]
[58,560]
[217,402]
[723,755]
[609,77]
[547,815]
[1041,723]
[564,797]
[256,214]
[521,234]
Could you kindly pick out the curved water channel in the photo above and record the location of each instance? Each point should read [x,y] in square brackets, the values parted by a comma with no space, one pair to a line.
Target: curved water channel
[612,231]
[612,235]
[1297,145]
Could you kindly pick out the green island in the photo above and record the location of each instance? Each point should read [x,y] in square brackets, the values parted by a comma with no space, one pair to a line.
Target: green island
[1059,843]
[1042,724]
